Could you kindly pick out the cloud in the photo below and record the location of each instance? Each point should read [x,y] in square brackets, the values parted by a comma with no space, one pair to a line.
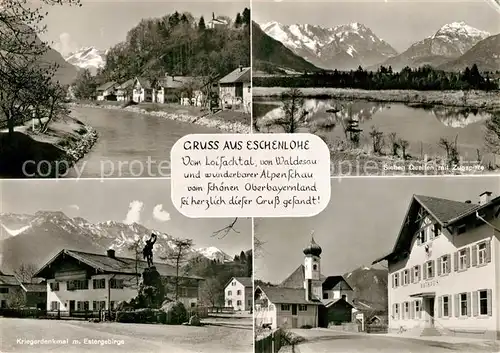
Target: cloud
[160,214]
[66,45]
[75,207]
[134,212]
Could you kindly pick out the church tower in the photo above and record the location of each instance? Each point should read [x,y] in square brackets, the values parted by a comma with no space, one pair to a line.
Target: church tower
[312,271]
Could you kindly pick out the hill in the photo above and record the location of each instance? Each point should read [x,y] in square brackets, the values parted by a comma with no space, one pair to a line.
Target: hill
[271,56]
[485,54]
[370,288]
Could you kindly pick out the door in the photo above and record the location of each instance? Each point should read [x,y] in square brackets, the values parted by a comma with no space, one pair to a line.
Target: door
[71,307]
[239,90]
[430,303]
[294,309]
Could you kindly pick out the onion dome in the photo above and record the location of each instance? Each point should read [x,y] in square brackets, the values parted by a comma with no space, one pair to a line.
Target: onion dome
[313,249]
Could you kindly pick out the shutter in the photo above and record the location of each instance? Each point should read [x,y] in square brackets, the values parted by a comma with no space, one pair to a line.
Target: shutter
[488,251]
[449,263]
[393,280]
[419,272]
[412,275]
[474,255]
[394,310]
[467,257]
[457,305]
[490,299]
[475,302]
[412,310]
[455,261]
[440,306]
[439,266]
[424,271]
[433,266]
[469,304]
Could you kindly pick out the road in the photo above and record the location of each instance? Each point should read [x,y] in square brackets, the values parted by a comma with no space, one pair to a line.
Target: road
[343,342]
[130,144]
[77,336]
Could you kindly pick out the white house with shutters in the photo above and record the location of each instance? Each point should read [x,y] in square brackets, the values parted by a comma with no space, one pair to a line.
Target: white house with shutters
[238,293]
[444,270]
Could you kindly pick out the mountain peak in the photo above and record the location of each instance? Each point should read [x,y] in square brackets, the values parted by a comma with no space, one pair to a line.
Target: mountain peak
[462,29]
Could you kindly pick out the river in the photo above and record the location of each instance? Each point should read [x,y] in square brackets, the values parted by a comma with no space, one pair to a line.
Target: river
[130,144]
[421,127]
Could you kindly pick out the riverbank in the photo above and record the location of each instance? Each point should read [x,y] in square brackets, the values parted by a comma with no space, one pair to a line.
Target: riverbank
[227,121]
[471,99]
[27,153]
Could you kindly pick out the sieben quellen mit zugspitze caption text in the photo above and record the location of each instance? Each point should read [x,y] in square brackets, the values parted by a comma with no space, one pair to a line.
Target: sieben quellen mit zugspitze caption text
[255,175]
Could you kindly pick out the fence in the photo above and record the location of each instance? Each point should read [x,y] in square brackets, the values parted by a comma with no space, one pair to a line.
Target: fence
[221,310]
[269,344]
[200,311]
[376,328]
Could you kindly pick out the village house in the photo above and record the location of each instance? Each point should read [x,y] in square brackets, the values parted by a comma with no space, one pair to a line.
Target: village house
[124,91]
[216,23]
[143,90]
[238,293]
[305,298]
[184,90]
[235,90]
[19,294]
[444,269]
[107,91]
[80,281]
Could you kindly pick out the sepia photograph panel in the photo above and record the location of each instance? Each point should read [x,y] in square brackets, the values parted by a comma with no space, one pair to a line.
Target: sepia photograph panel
[388,92]
[105,88]
[392,264]
[112,265]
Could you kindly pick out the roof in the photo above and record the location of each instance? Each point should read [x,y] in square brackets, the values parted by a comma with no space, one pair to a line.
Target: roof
[144,82]
[329,303]
[237,75]
[176,81]
[281,295]
[245,281]
[126,84]
[107,264]
[31,287]
[296,278]
[8,280]
[445,212]
[107,86]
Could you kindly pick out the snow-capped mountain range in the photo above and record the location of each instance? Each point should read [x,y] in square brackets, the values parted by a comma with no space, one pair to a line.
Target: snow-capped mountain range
[348,46]
[89,58]
[34,238]
[341,47]
[447,43]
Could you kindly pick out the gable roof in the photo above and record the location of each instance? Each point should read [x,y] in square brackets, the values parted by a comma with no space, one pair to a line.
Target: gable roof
[126,84]
[107,86]
[237,75]
[143,82]
[245,281]
[281,295]
[9,280]
[176,81]
[32,287]
[445,212]
[331,282]
[296,278]
[107,264]
[329,303]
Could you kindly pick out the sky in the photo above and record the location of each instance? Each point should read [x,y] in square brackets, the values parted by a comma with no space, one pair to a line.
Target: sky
[146,202]
[360,224]
[399,22]
[103,24]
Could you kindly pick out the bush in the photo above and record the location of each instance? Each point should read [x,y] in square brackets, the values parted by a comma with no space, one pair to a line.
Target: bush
[137,316]
[176,313]
[306,327]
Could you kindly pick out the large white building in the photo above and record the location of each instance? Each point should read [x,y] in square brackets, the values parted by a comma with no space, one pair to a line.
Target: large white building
[80,281]
[238,293]
[444,270]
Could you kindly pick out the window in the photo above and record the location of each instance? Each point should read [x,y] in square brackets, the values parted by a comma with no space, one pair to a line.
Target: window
[463,304]
[437,230]
[234,283]
[417,309]
[238,292]
[416,274]
[315,267]
[483,302]
[99,283]
[325,295]
[82,306]
[396,311]
[302,307]
[396,279]
[229,292]
[4,290]
[423,237]
[429,269]
[461,229]
[229,303]
[112,303]
[406,310]
[285,307]
[238,302]
[116,283]
[99,305]
[405,277]
[446,306]
[54,286]
[55,306]
[462,259]
[78,284]
[481,254]
[445,264]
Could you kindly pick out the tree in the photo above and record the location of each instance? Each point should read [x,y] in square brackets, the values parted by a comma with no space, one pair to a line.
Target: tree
[24,273]
[238,21]
[177,255]
[246,17]
[492,137]
[393,139]
[377,139]
[201,24]
[451,149]
[404,144]
[243,257]
[16,298]
[212,292]
[85,85]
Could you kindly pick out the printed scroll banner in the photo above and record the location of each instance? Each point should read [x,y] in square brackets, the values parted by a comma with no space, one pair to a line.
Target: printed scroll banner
[254,175]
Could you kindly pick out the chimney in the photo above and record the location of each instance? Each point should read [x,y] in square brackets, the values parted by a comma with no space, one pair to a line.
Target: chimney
[241,68]
[213,15]
[111,253]
[485,197]
[468,201]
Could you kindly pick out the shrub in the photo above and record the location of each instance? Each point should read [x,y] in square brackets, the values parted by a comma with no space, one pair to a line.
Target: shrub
[137,316]
[176,313]
[306,327]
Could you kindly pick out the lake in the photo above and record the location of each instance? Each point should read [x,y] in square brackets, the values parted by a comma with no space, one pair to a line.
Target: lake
[421,127]
[130,144]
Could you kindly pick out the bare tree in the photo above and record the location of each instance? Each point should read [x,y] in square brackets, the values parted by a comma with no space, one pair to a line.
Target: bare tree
[24,273]
[377,139]
[221,233]
[16,298]
[177,255]
[211,291]
[404,144]
[451,149]
[393,139]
